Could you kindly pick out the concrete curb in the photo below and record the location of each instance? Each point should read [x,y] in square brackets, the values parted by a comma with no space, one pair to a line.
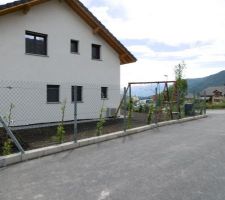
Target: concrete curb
[37,153]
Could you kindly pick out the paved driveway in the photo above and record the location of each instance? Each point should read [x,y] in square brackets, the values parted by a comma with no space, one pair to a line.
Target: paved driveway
[180,162]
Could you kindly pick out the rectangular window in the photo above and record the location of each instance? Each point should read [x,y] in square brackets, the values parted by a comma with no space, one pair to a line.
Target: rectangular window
[53,93]
[36,43]
[96,51]
[79,93]
[104,92]
[74,46]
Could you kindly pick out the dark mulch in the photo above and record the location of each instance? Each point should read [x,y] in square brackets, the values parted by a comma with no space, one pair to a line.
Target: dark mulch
[41,137]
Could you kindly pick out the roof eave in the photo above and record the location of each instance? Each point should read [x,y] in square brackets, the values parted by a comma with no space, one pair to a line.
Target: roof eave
[22,6]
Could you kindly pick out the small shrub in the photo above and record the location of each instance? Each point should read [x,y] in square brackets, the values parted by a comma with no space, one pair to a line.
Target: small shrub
[7,147]
[150,114]
[7,144]
[101,122]
[215,106]
[140,108]
[60,133]
[130,110]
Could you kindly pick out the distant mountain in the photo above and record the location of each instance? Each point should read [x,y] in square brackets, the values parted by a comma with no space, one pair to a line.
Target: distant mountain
[146,90]
[143,91]
[196,85]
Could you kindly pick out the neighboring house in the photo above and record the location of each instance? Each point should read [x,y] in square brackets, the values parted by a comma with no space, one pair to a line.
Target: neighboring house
[47,47]
[214,94]
[189,97]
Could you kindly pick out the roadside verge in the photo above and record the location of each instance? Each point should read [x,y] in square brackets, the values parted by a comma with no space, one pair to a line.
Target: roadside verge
[37,153]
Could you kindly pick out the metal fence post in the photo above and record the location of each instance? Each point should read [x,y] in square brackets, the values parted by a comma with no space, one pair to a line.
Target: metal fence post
[178,104]
[204,102]
[125,109]
[194,103]
[130,107]
[130,98]
[156,105]
[12,136]
[75,113]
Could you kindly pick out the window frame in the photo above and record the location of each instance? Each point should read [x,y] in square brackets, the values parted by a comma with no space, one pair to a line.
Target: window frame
[107,93]
[99,58]
[72,94]
[47,90]
[78,45]
[34,51]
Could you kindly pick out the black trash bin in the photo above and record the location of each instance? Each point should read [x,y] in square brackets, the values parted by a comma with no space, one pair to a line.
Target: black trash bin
[189,109]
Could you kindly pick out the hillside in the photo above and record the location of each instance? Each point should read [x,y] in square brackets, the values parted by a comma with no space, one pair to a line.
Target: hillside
[195,85]
[198,84]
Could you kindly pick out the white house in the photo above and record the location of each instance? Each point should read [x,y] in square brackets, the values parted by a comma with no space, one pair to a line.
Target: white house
[46,47]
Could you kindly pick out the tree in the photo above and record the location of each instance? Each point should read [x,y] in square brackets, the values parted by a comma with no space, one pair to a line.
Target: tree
[181,83]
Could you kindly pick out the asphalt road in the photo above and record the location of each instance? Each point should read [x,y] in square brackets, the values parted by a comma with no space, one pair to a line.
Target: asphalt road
[178,162]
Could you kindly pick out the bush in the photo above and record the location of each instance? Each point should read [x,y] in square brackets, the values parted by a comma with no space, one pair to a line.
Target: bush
[215,106]
[7,147]
[101,122]
[60,134]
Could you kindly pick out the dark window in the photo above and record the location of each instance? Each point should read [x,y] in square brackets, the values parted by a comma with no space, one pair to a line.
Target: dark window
[79,93]
[104,92]
[96,51]
[52,93]
[36,43]
[74,46]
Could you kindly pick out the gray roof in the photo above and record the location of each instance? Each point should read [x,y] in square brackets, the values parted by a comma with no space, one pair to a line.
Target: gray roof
[209,91]
[14,3]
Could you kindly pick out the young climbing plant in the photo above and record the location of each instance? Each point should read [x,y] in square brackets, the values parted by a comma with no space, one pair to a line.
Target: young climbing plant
[101,122]
[130,110]
[181,84]
[60,135]
[150,114]
[7,145]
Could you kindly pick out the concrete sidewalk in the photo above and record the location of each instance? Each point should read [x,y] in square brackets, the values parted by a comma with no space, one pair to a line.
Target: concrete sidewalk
[180,162]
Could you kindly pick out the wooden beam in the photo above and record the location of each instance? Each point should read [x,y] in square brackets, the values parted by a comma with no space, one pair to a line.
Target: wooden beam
[96,30]
[21,6]
[133,83]
[123,56]
[26,9]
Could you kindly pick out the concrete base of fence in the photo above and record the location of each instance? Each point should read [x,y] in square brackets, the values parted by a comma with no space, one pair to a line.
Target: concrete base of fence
[37,153]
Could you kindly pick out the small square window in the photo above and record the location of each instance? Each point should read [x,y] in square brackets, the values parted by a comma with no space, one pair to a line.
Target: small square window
[36,43]
[104,92]
[53,93]
[74,46]
[79,93]
[96,51]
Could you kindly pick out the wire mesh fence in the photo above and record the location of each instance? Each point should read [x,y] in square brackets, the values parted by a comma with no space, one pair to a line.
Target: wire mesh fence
[162,101]
[41,114]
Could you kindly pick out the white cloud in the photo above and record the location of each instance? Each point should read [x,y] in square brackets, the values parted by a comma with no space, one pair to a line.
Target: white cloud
[173,23]
[5,1]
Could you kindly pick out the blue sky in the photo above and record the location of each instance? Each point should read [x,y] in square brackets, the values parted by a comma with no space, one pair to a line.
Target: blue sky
[163,33]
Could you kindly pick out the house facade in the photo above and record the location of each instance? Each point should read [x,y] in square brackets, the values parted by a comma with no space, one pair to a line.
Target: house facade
[47,47]
[214,94]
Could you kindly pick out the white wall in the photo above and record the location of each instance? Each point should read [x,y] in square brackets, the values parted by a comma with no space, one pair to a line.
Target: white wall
[61,24]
